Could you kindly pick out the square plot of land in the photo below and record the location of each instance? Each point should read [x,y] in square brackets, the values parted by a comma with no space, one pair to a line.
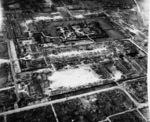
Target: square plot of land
[7,100]
[73,77]
[114,34]
[4,51]
[146,113]
[5,75]
[41,114]
[133,116]
[138,89]
[95,107]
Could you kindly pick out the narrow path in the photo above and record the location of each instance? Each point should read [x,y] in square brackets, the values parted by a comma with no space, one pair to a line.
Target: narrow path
[142,115]
[12,70]
[53,109]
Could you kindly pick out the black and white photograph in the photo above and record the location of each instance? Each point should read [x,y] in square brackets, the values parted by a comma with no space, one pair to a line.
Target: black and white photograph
[74,61]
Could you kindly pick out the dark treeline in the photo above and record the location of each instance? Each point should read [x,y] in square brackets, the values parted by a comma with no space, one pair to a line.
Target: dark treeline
[24,4]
